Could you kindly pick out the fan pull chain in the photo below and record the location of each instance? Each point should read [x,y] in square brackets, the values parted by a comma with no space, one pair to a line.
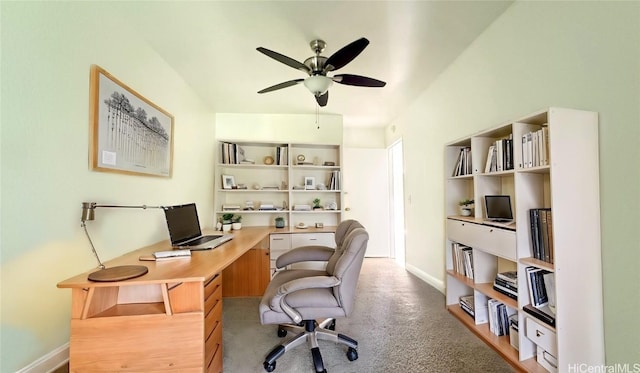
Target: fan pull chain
[318,116]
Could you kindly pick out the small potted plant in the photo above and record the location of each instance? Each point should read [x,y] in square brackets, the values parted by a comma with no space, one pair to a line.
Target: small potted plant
[316,204]
[279,222]
[226,222]
[466,207]
[236,222]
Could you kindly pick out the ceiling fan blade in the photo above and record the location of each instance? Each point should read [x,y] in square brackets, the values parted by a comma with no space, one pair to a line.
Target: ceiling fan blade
[357,80]
[285,60]
[345,55]
[281,85]
[323,99]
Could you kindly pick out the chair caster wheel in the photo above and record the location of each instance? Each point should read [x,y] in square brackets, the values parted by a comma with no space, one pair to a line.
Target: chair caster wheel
[282,332]
[269,367]
[352,354]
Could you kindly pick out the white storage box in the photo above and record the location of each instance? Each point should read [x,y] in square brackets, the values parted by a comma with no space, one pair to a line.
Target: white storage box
[542,336]
[548,361]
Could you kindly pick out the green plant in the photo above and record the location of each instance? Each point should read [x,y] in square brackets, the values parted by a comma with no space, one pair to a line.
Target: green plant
[236,218]
[466,202]
[226,218]
[280,218]
[316,203]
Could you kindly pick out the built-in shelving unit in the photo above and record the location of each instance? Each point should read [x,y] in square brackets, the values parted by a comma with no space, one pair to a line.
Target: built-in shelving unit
[283,176]
[561,174]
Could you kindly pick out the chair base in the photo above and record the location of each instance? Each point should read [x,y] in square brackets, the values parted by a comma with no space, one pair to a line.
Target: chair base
[310,331]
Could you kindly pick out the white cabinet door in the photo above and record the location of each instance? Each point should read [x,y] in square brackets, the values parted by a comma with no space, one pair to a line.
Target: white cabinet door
[366,195]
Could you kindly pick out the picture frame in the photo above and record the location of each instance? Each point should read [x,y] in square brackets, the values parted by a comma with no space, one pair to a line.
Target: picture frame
[309,183]
[128,134]
[228,182]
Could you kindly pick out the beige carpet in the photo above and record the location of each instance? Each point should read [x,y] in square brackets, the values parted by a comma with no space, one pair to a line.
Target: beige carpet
[399,321]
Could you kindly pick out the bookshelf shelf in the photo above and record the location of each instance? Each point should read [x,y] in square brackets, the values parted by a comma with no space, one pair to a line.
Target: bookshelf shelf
[537,263]
[549,200]
[273,184]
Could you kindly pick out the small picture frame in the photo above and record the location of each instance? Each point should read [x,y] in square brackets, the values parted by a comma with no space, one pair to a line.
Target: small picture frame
[228,182]
[309,183]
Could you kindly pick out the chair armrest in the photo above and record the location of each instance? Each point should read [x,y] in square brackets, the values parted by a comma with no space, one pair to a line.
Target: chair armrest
[305,254]
[278,300]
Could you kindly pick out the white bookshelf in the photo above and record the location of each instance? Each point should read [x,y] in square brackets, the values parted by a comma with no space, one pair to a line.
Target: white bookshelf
[281,185]
[568,184]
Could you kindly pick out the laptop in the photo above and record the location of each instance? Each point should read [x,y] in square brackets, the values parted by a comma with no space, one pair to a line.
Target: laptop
[184,229]
[498,209]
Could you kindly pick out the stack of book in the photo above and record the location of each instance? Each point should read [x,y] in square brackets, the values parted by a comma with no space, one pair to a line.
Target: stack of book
[467,305]
[507,284]
[334,182]
[541,286]
[541,234]
[282,155]
[231,153]
[500,155]
[230,207]
[535,148]
[267,206]
[463,164]
[499,317]
[462,259]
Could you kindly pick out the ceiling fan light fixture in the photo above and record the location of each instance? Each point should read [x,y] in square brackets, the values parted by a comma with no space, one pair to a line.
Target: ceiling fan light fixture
[318,84]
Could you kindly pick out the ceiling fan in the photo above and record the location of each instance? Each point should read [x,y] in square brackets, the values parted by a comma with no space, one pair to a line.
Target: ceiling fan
[318,66]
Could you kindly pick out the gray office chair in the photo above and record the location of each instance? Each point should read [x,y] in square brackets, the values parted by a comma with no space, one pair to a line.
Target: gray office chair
[295,298]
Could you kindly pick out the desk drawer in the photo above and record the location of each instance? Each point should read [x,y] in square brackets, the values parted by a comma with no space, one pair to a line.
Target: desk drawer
[279,242]
[213,351]
[496,241]
[212,285]
[542,336]
[213,312]
[315,239]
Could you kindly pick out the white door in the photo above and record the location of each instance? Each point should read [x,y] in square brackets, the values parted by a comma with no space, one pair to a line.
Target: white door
[366,195]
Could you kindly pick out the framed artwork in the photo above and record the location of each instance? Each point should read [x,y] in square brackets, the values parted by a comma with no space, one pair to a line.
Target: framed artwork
[128,133]
[309,183]
[228,182]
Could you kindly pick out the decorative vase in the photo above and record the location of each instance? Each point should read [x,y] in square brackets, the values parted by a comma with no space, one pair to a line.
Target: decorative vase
[226,227]
[279,223]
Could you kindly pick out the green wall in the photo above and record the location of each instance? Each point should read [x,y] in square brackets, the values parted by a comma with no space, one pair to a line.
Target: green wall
[583,55]
[47,50]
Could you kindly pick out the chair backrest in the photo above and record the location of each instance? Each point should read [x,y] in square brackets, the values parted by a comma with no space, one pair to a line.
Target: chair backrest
[344,228]
[345,264]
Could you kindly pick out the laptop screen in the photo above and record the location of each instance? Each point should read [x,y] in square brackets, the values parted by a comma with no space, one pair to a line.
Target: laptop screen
[182,222]
[498,207]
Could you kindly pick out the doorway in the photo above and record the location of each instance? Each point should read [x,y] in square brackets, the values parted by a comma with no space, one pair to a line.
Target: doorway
[396,165]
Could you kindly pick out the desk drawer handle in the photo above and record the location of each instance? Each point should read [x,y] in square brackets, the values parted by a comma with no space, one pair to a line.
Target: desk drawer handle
[277,239]
[539,333]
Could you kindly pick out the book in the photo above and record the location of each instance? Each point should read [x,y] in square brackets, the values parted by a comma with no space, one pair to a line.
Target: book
[550,286]
[490,159]
[537,292]
[510,293]
[541,313]
[509,276]
[533,221]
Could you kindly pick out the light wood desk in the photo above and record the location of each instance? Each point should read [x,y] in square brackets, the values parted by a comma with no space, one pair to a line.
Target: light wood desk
[168,319]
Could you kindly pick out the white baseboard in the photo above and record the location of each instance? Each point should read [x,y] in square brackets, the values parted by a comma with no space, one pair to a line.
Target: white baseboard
[436,283]
[48,362]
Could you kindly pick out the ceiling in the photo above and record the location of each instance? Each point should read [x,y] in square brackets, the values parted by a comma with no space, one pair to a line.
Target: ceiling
[212,45]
